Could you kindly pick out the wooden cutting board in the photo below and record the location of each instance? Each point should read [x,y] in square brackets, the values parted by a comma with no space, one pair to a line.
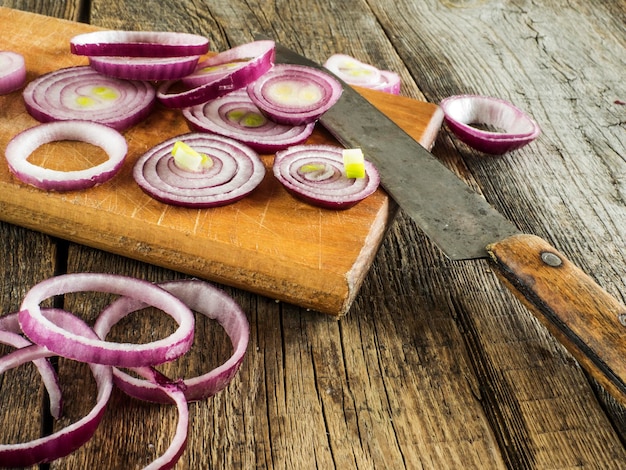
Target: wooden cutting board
[268,243]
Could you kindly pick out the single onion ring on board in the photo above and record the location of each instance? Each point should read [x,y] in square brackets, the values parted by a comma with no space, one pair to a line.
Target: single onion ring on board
[144,68]
[12,71]
[517,128]
[25,143]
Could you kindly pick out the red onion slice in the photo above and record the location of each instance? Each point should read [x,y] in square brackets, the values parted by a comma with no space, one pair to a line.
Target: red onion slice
[205,299]
[235,115]
[12,71]
[70,438]
[67,344]
[294,94]
[85,94]
[315,174]
[517,128]
[139,44]
[236,171]
[355,72]
[22,145]
[221,74]
[145,68]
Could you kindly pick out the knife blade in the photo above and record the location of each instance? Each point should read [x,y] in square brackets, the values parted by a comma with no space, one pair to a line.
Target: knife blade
[586,319]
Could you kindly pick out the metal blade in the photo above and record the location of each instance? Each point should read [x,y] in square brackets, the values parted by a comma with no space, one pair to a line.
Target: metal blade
[454,217]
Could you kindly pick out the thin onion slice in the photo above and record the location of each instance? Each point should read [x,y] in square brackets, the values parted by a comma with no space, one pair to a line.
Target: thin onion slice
[514,127]
[294,94]
[64,343]
[70,438]
[235,172]
[355,72]
[205,299]
[315,174]
[235,115]
[145,68]
[12,71]
[82,93]
[226,72]
[25,143]
[138,44]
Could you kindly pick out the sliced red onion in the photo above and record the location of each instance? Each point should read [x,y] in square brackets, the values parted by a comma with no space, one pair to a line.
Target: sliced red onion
[67,344]
[25,143]
[294,94]
[145,68]
[12,71]
[355,72]
[139,44]
[205,299]
[70,438]
[221,74]
[235,172]
[235,115]
[315,174]
[514,128]
[85,94]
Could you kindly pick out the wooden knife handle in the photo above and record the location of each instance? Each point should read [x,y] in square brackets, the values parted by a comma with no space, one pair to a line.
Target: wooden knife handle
[589,322]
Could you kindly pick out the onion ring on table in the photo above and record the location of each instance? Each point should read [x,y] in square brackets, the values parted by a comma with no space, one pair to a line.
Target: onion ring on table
[236,171]
[70,438]
[294,94]
[205,299]
[145,68]
[518,129]
[315,174]
[25,143]
[82,93]
[221,74]
[64,343]
[138,44]
[355,72]
[235,115]
[12,71]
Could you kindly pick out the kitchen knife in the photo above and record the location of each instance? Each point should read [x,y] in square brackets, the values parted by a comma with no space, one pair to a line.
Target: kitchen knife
[588,321]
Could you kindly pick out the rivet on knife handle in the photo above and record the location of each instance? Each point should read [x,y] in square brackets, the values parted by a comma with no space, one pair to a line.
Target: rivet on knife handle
[574,308]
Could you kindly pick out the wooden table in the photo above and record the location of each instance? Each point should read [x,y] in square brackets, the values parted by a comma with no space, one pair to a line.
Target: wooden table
[435,365]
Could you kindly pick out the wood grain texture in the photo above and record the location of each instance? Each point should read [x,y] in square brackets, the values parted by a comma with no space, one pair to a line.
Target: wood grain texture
[436,365]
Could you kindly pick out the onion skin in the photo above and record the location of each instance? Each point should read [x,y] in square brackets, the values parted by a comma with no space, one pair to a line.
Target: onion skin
[12,71]
[460,111]
[138,44]
[333,190]
[26,142]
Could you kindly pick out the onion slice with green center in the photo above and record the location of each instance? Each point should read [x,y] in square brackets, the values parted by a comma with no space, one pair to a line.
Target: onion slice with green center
[226,72]
[512,128]
[205,299]
[355,72]
[294,94]
[42,331]
[235,115]
[315,174]
[25,143]
[82,93]
[12,71]
[138,44]
[235,171]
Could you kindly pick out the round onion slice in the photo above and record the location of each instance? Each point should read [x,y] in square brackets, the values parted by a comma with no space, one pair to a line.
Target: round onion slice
[355,72]
[235,172]
[25,143]
[145,68]
[67,344]
[514,127]
[294,94]
[12,71]
[70,438]
[85,94]
[235,115]
[138,44]
[205,299]
[315,174]
[221,74]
